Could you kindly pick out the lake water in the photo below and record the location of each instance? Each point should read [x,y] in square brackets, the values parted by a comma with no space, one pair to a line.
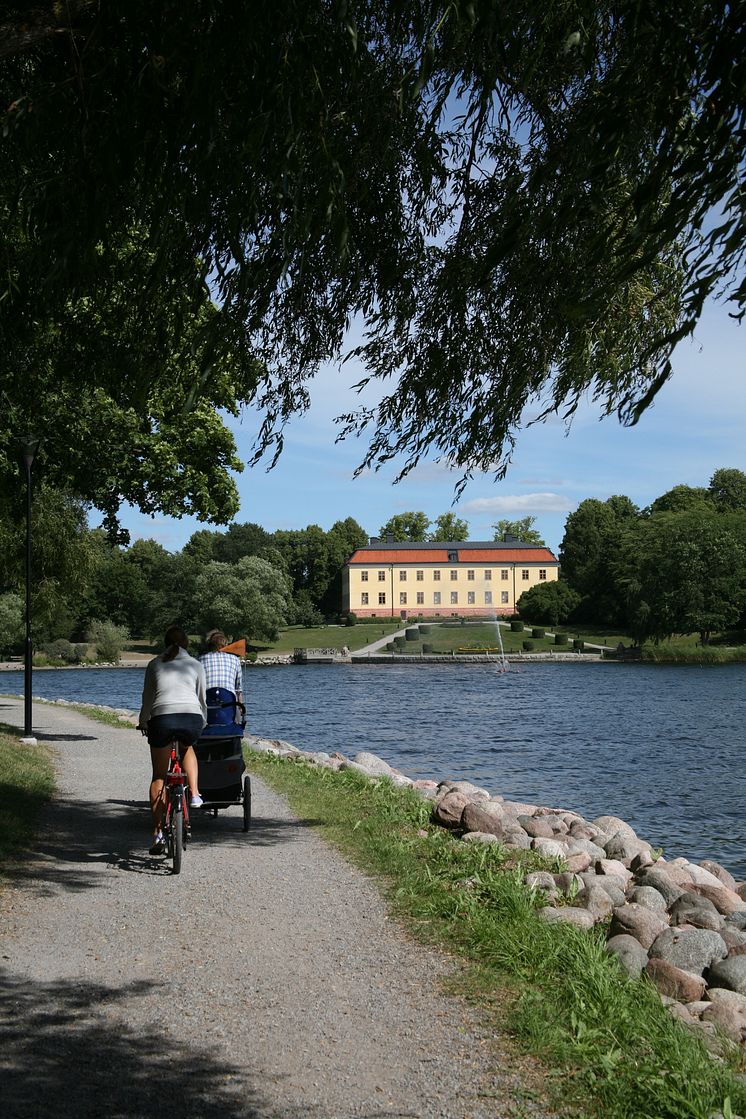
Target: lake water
[662,747]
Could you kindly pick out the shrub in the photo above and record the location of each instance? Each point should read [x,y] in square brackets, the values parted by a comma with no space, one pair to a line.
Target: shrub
[427,647]
[251,657]
[389,646]
[516,625]
[351,619]
[578,645]
[63,650]
[537,631]
[412,634]
[527,646]
[400,642]
[425,628]
[560,639]
[108,640]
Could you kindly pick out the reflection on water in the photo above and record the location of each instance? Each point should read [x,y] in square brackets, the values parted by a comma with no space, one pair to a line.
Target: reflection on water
[662,747]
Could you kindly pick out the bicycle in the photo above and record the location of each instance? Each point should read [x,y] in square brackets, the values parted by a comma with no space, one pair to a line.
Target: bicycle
[176,820]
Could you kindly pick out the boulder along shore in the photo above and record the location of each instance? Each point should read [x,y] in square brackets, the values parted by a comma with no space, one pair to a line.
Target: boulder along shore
[680,924]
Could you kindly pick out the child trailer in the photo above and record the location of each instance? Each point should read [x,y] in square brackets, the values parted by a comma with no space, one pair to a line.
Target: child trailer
[223,781]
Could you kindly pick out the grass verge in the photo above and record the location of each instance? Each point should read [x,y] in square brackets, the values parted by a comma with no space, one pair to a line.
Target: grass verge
[619,1053]
[26,784]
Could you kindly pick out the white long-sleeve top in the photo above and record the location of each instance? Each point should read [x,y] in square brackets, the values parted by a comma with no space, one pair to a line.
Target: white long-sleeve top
[173,687]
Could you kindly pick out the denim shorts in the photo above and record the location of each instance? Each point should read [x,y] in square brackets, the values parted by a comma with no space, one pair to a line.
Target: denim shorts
[186,727]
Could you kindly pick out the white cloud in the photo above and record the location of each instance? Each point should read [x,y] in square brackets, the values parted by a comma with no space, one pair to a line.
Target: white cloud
[520,503]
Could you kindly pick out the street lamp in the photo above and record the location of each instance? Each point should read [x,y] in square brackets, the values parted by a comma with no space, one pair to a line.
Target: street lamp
[29,448]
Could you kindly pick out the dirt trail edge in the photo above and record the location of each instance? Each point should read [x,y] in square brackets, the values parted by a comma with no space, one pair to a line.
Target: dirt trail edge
[265,981]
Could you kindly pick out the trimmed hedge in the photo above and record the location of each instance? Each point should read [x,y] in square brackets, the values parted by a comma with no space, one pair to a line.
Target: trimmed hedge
[528,646]
[412,634]
[537,631]
[560,639]
[427,647]
[516,626]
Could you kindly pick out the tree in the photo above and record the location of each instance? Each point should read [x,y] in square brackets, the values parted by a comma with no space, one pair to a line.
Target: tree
[681,498]
[549,603]
[248,598]
[405,526]
[120,392]
[449,527]
[11,623]
[728,490]
[107,640]
[514,197]
[588,551]
[684,573]
[522,529]
[239,540]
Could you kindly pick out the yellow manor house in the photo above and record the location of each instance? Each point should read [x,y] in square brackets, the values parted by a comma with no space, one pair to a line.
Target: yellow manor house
[442,579]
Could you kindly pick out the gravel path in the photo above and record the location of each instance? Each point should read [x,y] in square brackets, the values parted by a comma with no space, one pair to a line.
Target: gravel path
[266,981]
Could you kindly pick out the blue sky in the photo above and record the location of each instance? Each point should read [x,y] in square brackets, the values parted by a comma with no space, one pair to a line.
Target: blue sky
[695,426]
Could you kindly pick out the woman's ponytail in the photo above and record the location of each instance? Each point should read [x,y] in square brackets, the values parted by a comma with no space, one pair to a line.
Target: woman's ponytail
[174,640]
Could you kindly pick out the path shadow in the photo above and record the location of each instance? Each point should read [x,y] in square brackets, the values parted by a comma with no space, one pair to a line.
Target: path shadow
[65,1053]
[42,737]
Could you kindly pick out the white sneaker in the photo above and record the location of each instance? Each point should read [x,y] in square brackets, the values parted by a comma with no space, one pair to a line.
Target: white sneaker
[196,801]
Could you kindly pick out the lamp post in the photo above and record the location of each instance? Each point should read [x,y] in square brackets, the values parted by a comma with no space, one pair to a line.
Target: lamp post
[28,451]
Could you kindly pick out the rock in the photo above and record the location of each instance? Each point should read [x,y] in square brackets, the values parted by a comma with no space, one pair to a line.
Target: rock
[725,901]
[538,827]
[556,823]
[630,953]
[737,920]
[516,837]
[613,866]
[576,845]
[612,825]
[724,876]
[427,789]
[567,914]
[734,938]
[693,909]
[660,881]
[518,808]
[480,837]
[741,890]
[450,808]
[639,862]
[482,816]
[729,1019]
[732,998]
[639,922]
[596,901]
[550,848]
[583,830]
[649,897]
[357,768]
[541,880]
[624,847]
[579,862]
[375,765]
[730,973]
[703,877]
[696,1008]
[692,950]
[674,981]
[400,780]
[568,883]
[473,792]
[607,884]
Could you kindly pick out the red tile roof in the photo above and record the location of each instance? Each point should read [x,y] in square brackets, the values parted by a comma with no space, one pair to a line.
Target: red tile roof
[392,555]
[506,555]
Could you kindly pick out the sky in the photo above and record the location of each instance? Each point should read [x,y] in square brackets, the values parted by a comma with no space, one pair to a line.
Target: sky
[694,427]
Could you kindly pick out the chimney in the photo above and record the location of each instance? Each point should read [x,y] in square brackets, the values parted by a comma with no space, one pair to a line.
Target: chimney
[373,540]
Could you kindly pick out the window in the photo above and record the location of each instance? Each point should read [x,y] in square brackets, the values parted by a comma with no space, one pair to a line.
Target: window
[470,598]
[488,574]
[420,598]
[488,598]
[504,573]
[470,576]
[381,576]
[453,557]
[436,598]
[363,576]
[381,598]
[503,596]
[364,598]
[402,576]
[402,598]
[420,576]
[542,574]
[524,573]
[436,576]
[454,576]
[454,598]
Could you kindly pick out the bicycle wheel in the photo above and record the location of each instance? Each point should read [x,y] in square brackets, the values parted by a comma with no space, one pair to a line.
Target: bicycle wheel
[246,802]
[177,837]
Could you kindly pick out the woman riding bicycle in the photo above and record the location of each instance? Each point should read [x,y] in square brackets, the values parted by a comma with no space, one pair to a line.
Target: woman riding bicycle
[173,707]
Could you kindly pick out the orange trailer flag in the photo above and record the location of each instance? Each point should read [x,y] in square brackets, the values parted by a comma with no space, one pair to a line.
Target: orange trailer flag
[237,647]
